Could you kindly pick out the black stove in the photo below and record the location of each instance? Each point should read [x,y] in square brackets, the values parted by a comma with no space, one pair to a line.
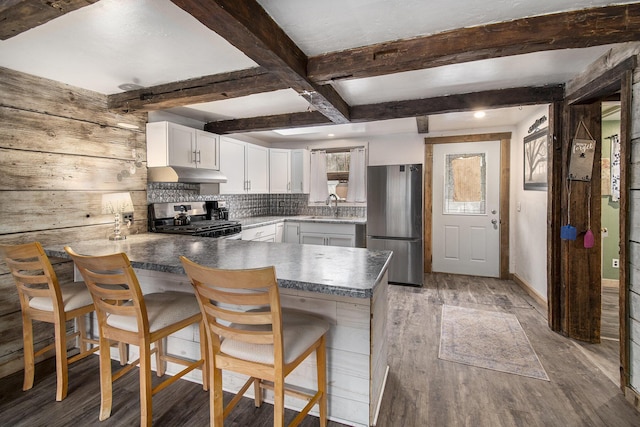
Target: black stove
[202,218]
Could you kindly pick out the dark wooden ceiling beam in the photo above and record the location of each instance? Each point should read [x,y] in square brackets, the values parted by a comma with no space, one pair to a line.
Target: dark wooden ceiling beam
[18,16]
[456,103]
[393,110]
[280,121]
[576,29]
[247,26]
[195,91]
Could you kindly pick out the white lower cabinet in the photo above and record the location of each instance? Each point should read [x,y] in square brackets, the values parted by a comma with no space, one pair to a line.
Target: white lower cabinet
[291,232]
[318,233]
[265,233]
[308,233]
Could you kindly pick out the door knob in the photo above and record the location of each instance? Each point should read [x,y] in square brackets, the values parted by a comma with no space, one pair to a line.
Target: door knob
[494,221]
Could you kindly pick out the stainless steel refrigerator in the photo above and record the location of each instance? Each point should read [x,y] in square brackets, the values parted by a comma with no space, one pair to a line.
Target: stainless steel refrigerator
[394,219]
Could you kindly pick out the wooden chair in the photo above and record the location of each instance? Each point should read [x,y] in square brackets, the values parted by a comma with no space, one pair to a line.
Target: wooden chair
[44,299]
[264,343]
[125,315]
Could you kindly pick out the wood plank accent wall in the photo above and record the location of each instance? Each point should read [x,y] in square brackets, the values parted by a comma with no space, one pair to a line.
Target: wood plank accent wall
[60,151]
[632,303]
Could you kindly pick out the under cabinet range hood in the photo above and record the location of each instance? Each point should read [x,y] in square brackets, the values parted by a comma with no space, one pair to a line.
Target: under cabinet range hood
[186,175]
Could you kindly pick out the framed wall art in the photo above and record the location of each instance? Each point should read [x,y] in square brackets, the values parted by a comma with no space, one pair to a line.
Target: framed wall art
[535,160]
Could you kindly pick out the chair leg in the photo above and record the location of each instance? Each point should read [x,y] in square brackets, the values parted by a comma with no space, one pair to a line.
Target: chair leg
[278,402]
[321,360]
[81,341]
[161,365]
[216,405]
[146,399]
[106,384]
[203,356]
[29,363]
[124,353]
[257,392]
[61,360]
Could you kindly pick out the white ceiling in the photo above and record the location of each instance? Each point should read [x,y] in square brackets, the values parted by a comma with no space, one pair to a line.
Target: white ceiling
[115,44]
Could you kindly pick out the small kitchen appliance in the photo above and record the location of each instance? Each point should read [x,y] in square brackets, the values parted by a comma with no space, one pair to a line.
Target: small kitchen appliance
[193,219]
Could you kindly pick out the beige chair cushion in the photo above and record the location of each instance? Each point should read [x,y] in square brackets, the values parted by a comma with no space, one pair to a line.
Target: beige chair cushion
[299,331]
[163,309]
[74,295]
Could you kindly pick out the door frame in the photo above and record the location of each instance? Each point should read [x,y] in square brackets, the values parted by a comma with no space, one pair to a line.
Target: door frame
[505,167]
[601,83]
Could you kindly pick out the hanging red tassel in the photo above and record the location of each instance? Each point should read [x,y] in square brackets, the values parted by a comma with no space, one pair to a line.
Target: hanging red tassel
[589,239]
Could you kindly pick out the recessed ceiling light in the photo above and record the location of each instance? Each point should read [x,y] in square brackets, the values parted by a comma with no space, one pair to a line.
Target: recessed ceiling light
[479,114]
[331,135]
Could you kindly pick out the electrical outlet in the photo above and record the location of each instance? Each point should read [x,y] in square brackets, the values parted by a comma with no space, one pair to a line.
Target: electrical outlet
[128,216]
[615,263]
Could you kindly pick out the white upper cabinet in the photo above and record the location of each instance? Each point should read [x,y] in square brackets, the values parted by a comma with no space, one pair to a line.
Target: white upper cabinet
[289,170]
[245,165]
[300,167]
[257,169]
[232,166]
[171,144]
[208,150]
[279,170]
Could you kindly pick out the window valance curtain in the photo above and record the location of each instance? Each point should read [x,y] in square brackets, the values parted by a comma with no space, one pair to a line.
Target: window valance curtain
[357,176]
[318,191]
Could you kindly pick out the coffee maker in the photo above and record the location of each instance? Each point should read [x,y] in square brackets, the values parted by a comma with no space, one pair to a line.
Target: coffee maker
[217,210]
[223,212]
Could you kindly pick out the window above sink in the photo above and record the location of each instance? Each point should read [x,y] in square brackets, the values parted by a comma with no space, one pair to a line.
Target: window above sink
[339,169]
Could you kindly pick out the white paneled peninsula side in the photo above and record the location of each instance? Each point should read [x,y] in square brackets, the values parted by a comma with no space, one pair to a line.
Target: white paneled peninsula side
[347,286]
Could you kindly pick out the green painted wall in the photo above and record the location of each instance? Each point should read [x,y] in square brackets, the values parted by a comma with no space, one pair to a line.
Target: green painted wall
[610,211]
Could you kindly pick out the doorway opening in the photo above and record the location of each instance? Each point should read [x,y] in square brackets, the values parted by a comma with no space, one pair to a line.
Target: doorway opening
[610,229]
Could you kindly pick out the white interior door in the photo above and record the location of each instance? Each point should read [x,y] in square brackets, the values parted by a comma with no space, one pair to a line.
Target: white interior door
[466,203]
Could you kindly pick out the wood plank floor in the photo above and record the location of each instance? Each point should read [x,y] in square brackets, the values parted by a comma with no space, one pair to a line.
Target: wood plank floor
[421,390]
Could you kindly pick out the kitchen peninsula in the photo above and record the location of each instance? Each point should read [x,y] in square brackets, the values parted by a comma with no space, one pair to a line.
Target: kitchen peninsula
[347,286]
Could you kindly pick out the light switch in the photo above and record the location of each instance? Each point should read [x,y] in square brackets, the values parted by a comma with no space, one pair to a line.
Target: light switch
[605,232]
[518,206]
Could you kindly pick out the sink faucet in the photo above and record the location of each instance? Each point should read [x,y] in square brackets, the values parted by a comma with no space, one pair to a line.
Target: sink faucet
[335,198]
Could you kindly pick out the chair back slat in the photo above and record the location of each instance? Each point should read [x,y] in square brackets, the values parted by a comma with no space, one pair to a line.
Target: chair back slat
[252,297]
[33,274]
[114,287]
[243,305]
[244,317]
[249,336]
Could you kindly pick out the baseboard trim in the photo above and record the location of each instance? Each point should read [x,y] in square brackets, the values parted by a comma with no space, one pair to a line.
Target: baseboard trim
[610,283]
[632,397]
[529,289]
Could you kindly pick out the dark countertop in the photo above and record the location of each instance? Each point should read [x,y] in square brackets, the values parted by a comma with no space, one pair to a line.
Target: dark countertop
[351,272]
[258,221]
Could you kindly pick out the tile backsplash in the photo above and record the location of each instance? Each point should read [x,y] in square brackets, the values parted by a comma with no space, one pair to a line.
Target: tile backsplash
[247,205]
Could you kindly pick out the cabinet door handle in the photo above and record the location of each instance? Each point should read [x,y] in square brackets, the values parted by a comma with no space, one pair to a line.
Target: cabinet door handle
[195,157]
[199,157]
